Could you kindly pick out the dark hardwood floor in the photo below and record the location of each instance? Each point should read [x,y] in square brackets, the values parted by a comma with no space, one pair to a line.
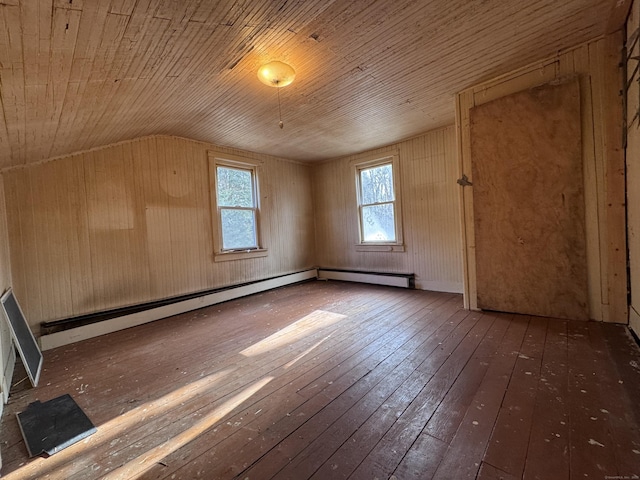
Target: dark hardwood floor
[330,380]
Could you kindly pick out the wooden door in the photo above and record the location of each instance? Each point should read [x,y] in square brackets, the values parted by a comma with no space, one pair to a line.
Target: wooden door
[528,203]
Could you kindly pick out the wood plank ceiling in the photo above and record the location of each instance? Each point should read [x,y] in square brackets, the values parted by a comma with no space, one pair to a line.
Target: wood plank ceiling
[77,74]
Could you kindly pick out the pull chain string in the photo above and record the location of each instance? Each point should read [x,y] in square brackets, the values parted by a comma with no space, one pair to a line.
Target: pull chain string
[281,124]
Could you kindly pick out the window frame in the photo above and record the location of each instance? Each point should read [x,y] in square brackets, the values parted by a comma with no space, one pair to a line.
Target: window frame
[218,159]
[380,246]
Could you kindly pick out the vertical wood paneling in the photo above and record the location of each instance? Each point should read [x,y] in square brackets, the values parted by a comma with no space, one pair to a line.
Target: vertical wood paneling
[7,355]
[588,62]
[633,167]
[131,223]
[430,213]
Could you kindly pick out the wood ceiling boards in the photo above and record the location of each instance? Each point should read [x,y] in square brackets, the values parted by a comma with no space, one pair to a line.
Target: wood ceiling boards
[77,74]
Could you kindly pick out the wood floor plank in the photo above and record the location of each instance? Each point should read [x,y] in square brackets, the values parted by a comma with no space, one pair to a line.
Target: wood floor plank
[452,353]
[280,443]
[401,438]
[620,406]
[507,450]
[329,380]
[548,453]
[170,383]
[291,403]
[467,448]
[420,462]
[444,422]
[591,447]
[153,427]
[489,472]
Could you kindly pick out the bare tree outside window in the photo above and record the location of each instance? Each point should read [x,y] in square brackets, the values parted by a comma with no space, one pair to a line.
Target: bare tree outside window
[237,208]
[377,209]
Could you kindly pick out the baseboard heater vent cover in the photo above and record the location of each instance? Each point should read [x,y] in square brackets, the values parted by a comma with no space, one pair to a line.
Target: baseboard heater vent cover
[149,313]
[403,280]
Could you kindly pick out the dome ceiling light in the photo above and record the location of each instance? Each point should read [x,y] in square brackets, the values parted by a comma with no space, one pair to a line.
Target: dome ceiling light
[277,74]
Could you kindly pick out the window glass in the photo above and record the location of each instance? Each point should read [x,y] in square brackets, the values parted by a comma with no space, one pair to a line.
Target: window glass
[238,229]
[378,223]
[235,187]
[237,207]
[377,207]
[377,184]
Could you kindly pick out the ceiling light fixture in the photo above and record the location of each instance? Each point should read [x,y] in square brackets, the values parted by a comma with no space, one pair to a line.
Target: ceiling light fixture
[277,74]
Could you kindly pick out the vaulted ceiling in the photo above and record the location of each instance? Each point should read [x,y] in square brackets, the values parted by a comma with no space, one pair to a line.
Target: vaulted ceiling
[77,74]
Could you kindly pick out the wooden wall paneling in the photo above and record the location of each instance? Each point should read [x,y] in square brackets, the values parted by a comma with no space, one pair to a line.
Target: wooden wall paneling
[464,101]
[7,351]
[30,291]
[142,270]
[181,187]
[106,226]
[330,230]
[446,224]
[176,186]
[111,217]
[93,204]
[275,211]
[429,174]
[132,223]
[203,223]
[200,221]
[53,222]
[633,169]
[157,222]
[579,60]
[616,244]
[15,232]
[129,221]
[427,170]
[418,167]
[79,257]
[164,225]
[596,53]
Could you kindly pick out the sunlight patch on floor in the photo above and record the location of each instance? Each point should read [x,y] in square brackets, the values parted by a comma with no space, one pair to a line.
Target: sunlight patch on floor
[306,352]
[305,326]
[55,465]
[139,465]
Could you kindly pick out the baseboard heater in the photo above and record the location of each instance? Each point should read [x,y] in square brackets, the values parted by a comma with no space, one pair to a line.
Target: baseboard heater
[403,280]
[63,332]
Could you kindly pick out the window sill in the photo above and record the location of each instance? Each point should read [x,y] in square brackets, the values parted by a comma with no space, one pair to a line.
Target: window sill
[361,247]
[239,255]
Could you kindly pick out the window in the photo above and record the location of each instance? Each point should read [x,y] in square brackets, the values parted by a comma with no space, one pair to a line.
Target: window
[378,203]
[237,208]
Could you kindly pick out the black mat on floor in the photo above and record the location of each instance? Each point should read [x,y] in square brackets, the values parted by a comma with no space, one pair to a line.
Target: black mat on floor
[53,425]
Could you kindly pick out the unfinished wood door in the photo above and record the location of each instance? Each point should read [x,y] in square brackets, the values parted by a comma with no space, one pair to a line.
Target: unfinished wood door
[528,203]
